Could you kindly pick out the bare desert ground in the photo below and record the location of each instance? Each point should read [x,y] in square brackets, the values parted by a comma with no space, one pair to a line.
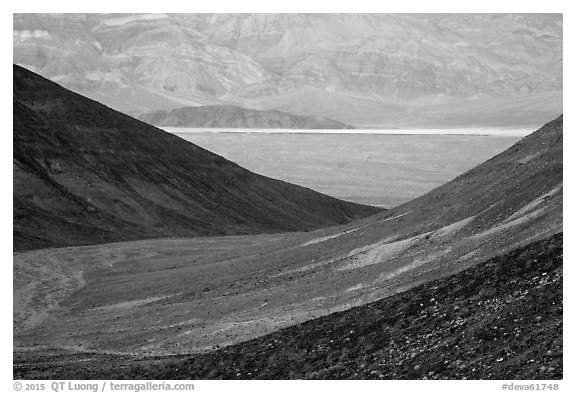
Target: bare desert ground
[374,169]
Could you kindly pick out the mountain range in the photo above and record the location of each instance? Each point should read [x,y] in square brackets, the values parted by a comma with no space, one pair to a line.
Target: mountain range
[222,116]
[364,70]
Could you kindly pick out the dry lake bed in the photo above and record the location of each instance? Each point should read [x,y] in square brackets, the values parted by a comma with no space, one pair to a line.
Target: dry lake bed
[378,169]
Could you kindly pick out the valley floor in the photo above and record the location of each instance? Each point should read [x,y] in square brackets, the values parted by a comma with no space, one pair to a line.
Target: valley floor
[501,319]
[369,168]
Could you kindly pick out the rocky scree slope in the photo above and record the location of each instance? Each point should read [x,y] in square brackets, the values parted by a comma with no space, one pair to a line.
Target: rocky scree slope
[498,320]
[501,319]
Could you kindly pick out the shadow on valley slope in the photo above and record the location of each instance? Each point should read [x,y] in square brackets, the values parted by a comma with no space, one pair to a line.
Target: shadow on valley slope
[85,174]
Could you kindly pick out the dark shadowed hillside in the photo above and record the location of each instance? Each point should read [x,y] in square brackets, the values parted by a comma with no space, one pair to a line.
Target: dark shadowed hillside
[85,174]
[234,117]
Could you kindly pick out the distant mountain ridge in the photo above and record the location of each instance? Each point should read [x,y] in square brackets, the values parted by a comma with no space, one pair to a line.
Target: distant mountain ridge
[85,174]
[221,116]
[380,70]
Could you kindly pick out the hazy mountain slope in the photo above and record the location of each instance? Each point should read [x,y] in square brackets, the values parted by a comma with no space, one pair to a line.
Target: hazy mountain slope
[119,55]
[501,319]
[402,63]
[522,110]
[85,174]
[401,55]
[234,116]
[275,281]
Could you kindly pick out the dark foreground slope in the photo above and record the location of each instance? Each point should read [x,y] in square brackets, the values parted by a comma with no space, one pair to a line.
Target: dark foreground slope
[498,320]
[235,117]
[85,174]
[501,319]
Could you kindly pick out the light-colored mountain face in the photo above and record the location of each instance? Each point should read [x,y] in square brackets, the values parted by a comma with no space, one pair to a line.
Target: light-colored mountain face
[369,70]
